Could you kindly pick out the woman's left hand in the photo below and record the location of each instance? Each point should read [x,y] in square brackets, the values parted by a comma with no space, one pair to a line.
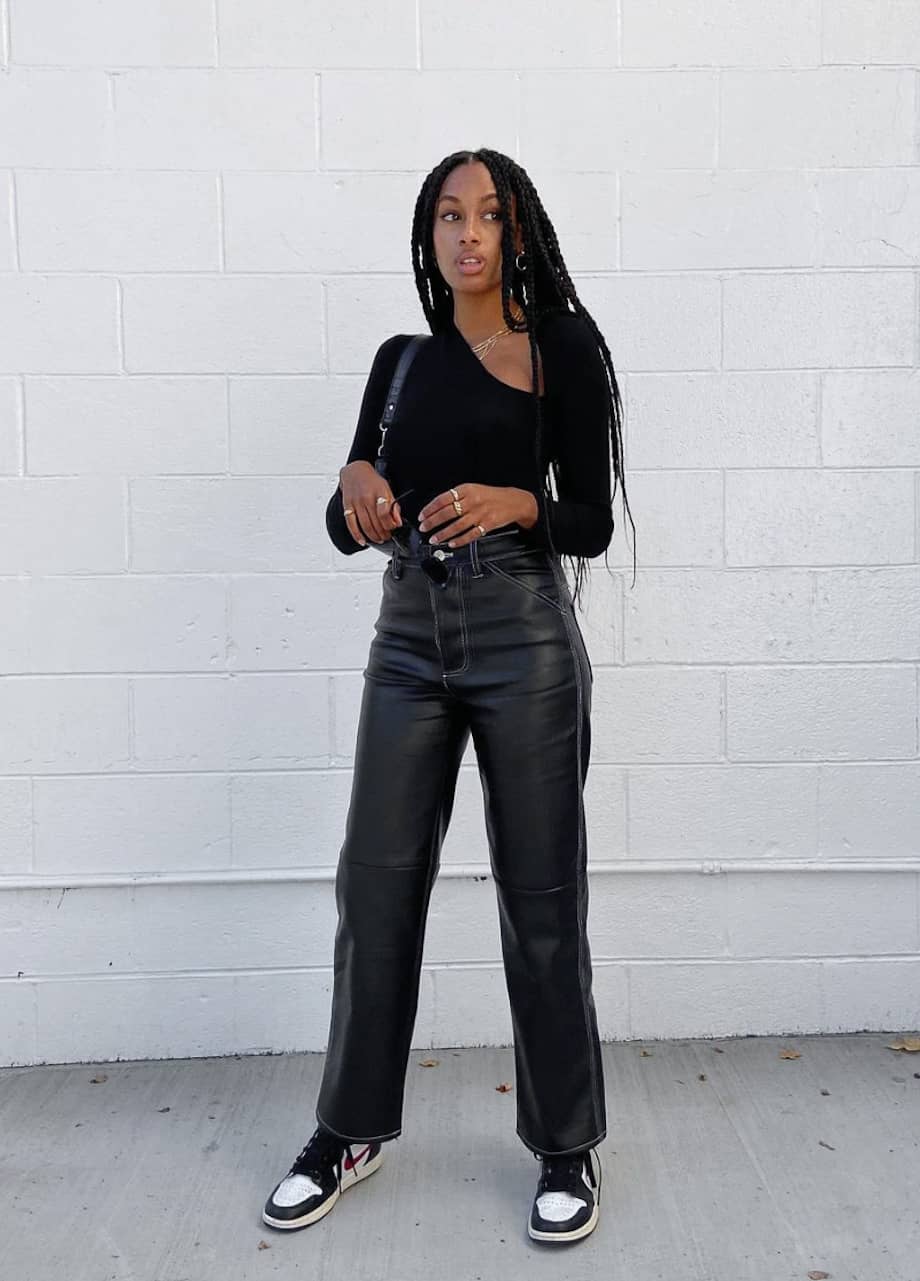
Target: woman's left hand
[490,506]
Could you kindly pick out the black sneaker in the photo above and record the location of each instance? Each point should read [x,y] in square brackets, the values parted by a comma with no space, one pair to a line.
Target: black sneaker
[567,1200]
[325,1168]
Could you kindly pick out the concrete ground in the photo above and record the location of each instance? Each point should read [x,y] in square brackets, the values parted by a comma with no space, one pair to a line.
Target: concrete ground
[724,1161]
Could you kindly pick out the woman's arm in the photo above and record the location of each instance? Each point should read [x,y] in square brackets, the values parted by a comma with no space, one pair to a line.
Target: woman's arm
[577,399]
[366,440]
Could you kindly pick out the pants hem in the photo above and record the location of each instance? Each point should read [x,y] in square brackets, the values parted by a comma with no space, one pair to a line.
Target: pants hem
[580,1147]
[354,1138]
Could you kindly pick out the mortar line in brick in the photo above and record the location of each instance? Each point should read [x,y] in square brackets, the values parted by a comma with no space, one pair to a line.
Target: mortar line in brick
[215,10]
[766,665]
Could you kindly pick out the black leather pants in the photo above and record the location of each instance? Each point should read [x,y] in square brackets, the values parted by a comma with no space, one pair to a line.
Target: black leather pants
[495,652]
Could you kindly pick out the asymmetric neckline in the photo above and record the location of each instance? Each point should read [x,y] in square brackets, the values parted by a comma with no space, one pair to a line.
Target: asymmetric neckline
[458,337]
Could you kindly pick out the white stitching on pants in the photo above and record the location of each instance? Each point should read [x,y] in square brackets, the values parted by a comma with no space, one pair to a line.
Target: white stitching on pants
[581,901]
[463,632]
[532,591]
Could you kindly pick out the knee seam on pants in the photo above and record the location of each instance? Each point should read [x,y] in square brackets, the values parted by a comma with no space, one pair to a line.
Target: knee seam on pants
[521,889]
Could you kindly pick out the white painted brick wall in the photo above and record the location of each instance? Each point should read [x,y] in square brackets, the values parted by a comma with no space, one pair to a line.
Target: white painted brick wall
[204,235]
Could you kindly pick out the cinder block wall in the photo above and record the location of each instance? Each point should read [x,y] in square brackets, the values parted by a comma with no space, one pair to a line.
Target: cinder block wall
[204,234]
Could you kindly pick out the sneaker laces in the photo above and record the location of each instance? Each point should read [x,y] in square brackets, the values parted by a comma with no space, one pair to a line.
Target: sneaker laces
[320,1151]
[562,1173]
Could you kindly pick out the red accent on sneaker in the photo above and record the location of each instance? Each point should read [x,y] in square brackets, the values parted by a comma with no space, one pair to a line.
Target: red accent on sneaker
[350,1162]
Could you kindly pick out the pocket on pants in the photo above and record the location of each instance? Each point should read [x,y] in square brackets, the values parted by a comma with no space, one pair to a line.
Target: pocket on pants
[535,577]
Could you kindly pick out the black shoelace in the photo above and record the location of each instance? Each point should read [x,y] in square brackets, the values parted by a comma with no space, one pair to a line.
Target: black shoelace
[562,1173]
[320,1151]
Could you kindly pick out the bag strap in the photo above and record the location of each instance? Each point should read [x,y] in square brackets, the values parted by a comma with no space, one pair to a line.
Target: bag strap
[406,356]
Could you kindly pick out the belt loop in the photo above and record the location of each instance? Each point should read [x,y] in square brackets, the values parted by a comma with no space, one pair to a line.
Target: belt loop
[474,559]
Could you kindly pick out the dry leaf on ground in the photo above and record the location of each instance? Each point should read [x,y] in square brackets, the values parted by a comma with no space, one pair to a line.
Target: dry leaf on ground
[909,1043]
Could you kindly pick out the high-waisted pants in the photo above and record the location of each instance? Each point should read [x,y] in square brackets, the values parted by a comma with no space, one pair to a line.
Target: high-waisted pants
[496,652]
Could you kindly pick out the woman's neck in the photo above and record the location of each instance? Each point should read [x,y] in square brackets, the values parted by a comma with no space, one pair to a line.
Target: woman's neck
[481,316]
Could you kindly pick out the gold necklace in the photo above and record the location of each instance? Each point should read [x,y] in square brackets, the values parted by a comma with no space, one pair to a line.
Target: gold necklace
[482,349]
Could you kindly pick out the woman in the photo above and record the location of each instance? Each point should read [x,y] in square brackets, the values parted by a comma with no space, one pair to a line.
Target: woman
[476,636]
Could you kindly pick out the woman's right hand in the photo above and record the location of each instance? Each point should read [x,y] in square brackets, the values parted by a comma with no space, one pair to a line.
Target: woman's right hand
[361,485]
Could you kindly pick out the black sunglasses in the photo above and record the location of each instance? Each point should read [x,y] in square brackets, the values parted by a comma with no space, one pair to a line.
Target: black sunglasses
[432,565]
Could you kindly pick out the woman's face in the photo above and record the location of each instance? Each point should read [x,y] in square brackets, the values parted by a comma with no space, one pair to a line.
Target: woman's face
[468,223]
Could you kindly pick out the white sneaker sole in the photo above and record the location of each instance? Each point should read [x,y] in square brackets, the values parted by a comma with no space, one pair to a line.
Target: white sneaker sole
[575,1235]
[349,1179]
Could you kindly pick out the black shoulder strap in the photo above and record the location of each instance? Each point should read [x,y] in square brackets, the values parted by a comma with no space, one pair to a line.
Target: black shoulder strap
[406,356]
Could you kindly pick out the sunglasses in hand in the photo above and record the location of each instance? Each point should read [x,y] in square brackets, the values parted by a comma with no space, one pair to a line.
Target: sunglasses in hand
[433,566]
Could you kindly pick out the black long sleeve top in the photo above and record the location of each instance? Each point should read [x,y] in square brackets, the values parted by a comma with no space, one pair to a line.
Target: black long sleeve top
[456,422]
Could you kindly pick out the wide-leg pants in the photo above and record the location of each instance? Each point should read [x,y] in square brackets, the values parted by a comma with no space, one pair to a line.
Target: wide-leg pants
[496,652]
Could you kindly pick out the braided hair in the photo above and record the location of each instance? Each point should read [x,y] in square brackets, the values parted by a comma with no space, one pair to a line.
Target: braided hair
[543,286]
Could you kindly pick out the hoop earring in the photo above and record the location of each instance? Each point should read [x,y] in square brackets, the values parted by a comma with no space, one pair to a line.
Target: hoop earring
[521,266]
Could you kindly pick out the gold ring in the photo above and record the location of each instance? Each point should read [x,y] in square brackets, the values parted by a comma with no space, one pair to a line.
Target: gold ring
[349,511]
[458,509]
[381,499]
[481,530]
[454,492]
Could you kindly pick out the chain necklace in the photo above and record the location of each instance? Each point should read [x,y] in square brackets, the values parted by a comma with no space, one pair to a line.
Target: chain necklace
[482,349]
